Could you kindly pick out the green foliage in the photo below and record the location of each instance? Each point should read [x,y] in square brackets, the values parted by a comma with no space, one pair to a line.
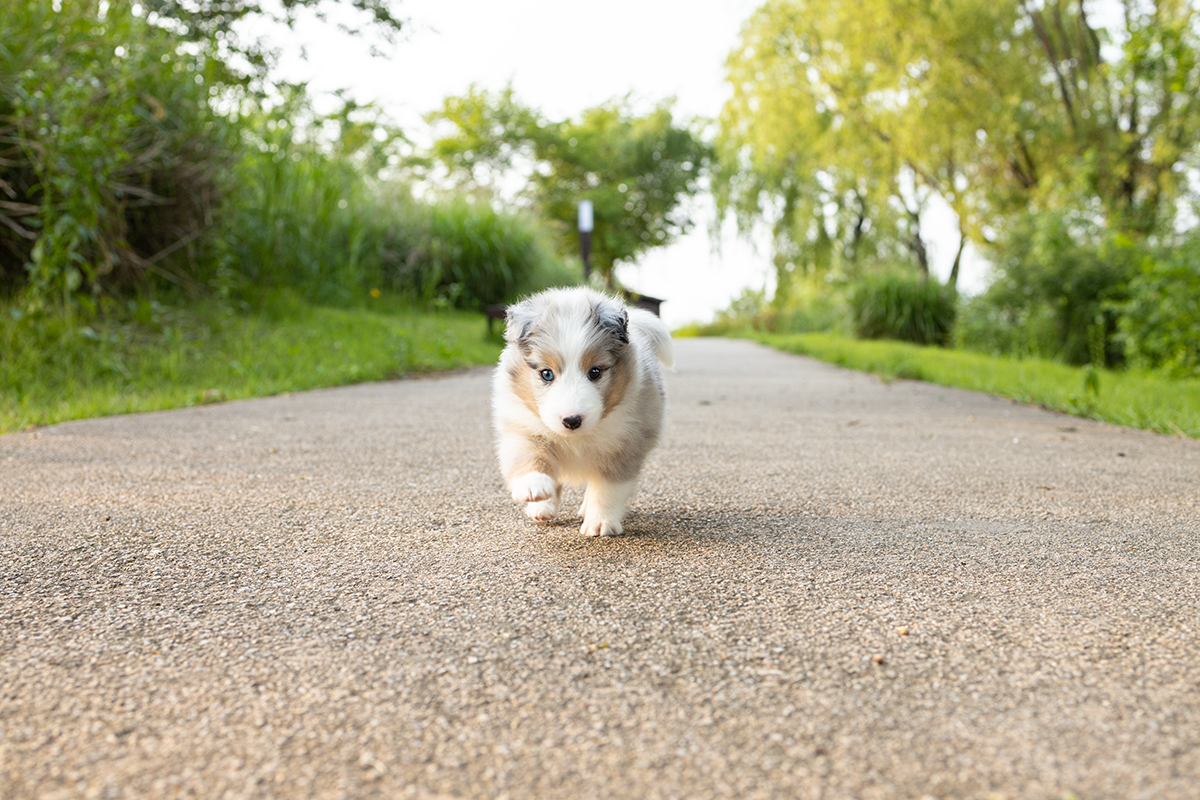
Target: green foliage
[812,305]
[747,311]
[300,208]
[306,219]
[1058,275]
[1139,401]
[144,355]
[1016,329]
[1159,324]
[117,174]
[906,307]
[486,135]
[636,169]
[216,21]
[468,255]
[109,148]
[991,105]
[845,119]
[787,156]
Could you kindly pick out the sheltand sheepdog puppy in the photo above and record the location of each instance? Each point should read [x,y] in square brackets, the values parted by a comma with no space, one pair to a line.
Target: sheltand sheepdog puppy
[578,399]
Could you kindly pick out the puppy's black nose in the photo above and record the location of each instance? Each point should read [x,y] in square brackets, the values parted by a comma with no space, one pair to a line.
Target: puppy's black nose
[571,423]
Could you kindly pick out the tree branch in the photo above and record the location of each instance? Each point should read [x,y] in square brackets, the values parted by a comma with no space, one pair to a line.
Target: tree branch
[1039,27]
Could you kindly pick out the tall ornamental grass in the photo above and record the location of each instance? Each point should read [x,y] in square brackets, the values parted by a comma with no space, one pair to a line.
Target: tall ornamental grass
[908,308]
[468,255]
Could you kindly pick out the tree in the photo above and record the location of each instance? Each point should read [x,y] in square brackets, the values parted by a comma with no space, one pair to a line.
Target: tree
[215,21]
[637,169]
[844,115]
[1127,104]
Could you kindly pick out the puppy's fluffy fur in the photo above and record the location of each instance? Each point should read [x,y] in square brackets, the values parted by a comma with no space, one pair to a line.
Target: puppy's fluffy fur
[578,398]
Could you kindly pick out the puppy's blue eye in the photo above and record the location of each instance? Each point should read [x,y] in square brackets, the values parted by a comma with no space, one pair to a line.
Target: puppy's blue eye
[594,374]
[547,375]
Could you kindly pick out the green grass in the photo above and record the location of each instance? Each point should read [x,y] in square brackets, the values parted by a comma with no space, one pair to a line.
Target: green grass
[149,357]
[1123,398]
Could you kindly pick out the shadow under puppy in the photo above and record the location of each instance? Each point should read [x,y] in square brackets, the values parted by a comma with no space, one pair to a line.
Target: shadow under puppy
[578,399]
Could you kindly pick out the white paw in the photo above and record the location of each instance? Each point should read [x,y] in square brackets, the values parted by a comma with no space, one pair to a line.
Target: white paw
[598,527]
[533,488]
[542,511]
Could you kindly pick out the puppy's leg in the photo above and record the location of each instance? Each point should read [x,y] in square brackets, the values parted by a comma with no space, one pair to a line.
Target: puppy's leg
[544,510]
[533,487]
[604,507]
[532,477]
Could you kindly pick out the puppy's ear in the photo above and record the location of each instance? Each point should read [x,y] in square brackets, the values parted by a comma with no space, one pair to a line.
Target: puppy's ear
[519,320]
[613,319]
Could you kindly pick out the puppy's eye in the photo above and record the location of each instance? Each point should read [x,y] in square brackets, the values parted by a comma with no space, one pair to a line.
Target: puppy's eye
[547,375]
[594,374]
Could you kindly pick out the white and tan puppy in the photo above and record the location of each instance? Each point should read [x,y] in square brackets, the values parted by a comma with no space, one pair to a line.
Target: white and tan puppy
[578,399]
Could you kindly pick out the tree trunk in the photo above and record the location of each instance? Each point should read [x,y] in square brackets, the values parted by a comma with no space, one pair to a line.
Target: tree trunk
[917,243]
[952,281]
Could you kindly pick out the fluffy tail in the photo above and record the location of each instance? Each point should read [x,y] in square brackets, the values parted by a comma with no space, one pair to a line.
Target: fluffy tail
[649,325]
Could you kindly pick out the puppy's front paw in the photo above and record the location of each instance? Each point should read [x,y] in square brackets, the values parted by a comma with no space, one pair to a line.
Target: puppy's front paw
[601,527]
[543,511]
[534,487]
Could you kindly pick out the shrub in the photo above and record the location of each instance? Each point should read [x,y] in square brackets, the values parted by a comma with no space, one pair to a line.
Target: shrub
[809,304]
[909,308]
[1023,331]
[298,212]
[110,148]
[1159,324]
[1058,275]
[467,254]
[128,157]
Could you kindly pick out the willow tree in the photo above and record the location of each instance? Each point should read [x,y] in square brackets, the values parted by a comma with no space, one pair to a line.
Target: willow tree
[846,117]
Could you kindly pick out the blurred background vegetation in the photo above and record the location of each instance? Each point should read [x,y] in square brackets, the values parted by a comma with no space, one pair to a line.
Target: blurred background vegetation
[1065,136]
[163,202]
[145,156]
[151,168]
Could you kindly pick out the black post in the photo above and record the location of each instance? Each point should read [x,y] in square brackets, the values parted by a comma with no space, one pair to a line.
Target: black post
[585,235]
[585,246]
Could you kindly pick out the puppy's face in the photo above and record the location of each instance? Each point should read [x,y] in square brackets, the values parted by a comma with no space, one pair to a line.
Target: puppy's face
[573,368]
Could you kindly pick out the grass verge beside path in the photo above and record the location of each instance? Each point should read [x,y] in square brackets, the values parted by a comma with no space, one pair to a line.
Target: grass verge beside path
[156,358]
[1138,401]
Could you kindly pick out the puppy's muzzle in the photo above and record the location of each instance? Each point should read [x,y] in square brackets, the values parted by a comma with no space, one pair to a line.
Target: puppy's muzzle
[573,422]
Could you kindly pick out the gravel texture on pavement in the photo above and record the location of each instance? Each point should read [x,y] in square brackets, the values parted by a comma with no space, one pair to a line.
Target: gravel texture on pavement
[832,587]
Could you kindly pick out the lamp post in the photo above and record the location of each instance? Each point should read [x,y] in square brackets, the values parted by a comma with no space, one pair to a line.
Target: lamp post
[585,236]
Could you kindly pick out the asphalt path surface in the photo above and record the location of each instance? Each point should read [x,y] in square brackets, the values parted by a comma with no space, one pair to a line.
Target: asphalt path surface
[831,587]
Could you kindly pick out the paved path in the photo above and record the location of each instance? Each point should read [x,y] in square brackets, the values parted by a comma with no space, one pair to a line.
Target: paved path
[834,588]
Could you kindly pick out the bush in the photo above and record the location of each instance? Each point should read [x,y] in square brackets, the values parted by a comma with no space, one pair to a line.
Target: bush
[747,311]
[1159,324]
[299,213]
[1022,331]
[307,220]
[129,158]
[1058,276]
[909,308]
[468,255]
[810,304]
[109,148]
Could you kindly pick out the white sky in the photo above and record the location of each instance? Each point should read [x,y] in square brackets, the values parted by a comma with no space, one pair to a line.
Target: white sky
[563,57]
